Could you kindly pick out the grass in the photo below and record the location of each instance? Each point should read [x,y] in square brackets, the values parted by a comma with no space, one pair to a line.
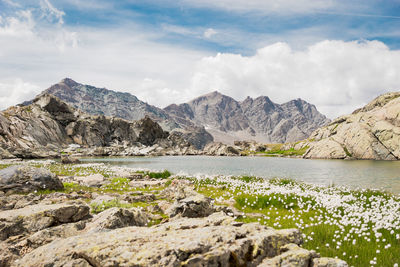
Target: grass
[157,175]
[97,208]
[322,229]
[3,166]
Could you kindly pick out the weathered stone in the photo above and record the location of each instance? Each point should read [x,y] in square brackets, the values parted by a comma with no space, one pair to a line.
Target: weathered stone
[21,178]
[132,198]
[220,149]
[114,218]
[93,180]
[146,183]
[292,256]
[38,217]
[194,206]
[372,132]
[328,262]
[207,241]
[47,235]
[66,159]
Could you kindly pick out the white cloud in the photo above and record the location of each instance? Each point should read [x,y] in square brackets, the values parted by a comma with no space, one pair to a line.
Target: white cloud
[11,3]
[336,76]
[209,33]
[16,91]
[50,12]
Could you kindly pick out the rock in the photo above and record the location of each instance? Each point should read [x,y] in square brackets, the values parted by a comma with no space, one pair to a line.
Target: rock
[328,262]
[18,201]
[146,183]
[220,149]
[93,180]
[28,179]
[193,242]
[38,217]
[66,159]
[194,206]
[372,132]
[6,256]
[292,256]
[47,235]
[48,125]
[133,198]
[114,218]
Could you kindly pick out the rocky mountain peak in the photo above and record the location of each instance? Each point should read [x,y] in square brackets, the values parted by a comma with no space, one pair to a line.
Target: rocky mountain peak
[69,82]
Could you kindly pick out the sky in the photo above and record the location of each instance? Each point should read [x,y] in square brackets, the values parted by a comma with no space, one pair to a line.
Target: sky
[335,54]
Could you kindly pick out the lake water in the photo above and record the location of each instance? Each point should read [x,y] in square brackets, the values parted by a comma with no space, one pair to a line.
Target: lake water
[353,173]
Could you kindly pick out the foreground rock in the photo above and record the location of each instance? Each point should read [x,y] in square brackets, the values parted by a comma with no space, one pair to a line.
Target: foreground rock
[372,132]
[28,179]
[214,241]
[38,217]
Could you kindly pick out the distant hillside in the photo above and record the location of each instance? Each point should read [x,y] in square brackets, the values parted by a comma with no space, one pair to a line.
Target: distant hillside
[258,119]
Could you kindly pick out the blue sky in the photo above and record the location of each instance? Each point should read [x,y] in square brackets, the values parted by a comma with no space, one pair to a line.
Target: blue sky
[179,49]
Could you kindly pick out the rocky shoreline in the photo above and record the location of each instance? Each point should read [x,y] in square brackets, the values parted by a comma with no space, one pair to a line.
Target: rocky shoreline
[124,218]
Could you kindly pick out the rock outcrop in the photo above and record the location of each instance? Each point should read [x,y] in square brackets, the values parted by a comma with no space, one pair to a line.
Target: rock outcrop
[372,132]
[104,102]
[48,126]
[28,179]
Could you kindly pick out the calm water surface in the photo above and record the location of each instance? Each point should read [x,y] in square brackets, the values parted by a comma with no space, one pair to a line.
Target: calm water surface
[357,173]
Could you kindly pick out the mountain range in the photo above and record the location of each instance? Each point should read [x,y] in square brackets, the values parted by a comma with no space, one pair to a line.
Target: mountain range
[211,117]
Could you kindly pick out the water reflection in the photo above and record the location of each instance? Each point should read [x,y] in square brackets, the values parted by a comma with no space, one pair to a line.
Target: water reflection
[355,173]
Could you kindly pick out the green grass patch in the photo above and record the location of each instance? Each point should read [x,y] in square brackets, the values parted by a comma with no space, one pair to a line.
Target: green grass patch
[3,166]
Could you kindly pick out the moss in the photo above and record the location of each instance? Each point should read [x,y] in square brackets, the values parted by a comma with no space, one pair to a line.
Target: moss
[347,152]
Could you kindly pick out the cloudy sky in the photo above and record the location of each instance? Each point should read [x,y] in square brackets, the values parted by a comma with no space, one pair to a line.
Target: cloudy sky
[336,54]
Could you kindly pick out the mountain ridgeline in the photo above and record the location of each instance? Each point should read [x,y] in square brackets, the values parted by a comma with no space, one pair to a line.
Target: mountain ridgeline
[211,117]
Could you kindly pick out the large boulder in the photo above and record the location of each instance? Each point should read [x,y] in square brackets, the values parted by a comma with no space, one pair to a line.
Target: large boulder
[213,241]
[372,132]
[27,179]
[40,216]
[193,206]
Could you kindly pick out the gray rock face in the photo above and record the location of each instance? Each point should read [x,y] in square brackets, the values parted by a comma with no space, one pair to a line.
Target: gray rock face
[192,242]
[38,217]
[117,218]
[28,179]
[372,132]
[104,102]
[193,206]
[220,149]
[49,125]
[253,119]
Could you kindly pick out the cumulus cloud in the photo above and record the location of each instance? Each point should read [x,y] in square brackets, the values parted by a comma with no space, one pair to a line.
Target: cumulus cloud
[336,76]
[38,55]
[16,91]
